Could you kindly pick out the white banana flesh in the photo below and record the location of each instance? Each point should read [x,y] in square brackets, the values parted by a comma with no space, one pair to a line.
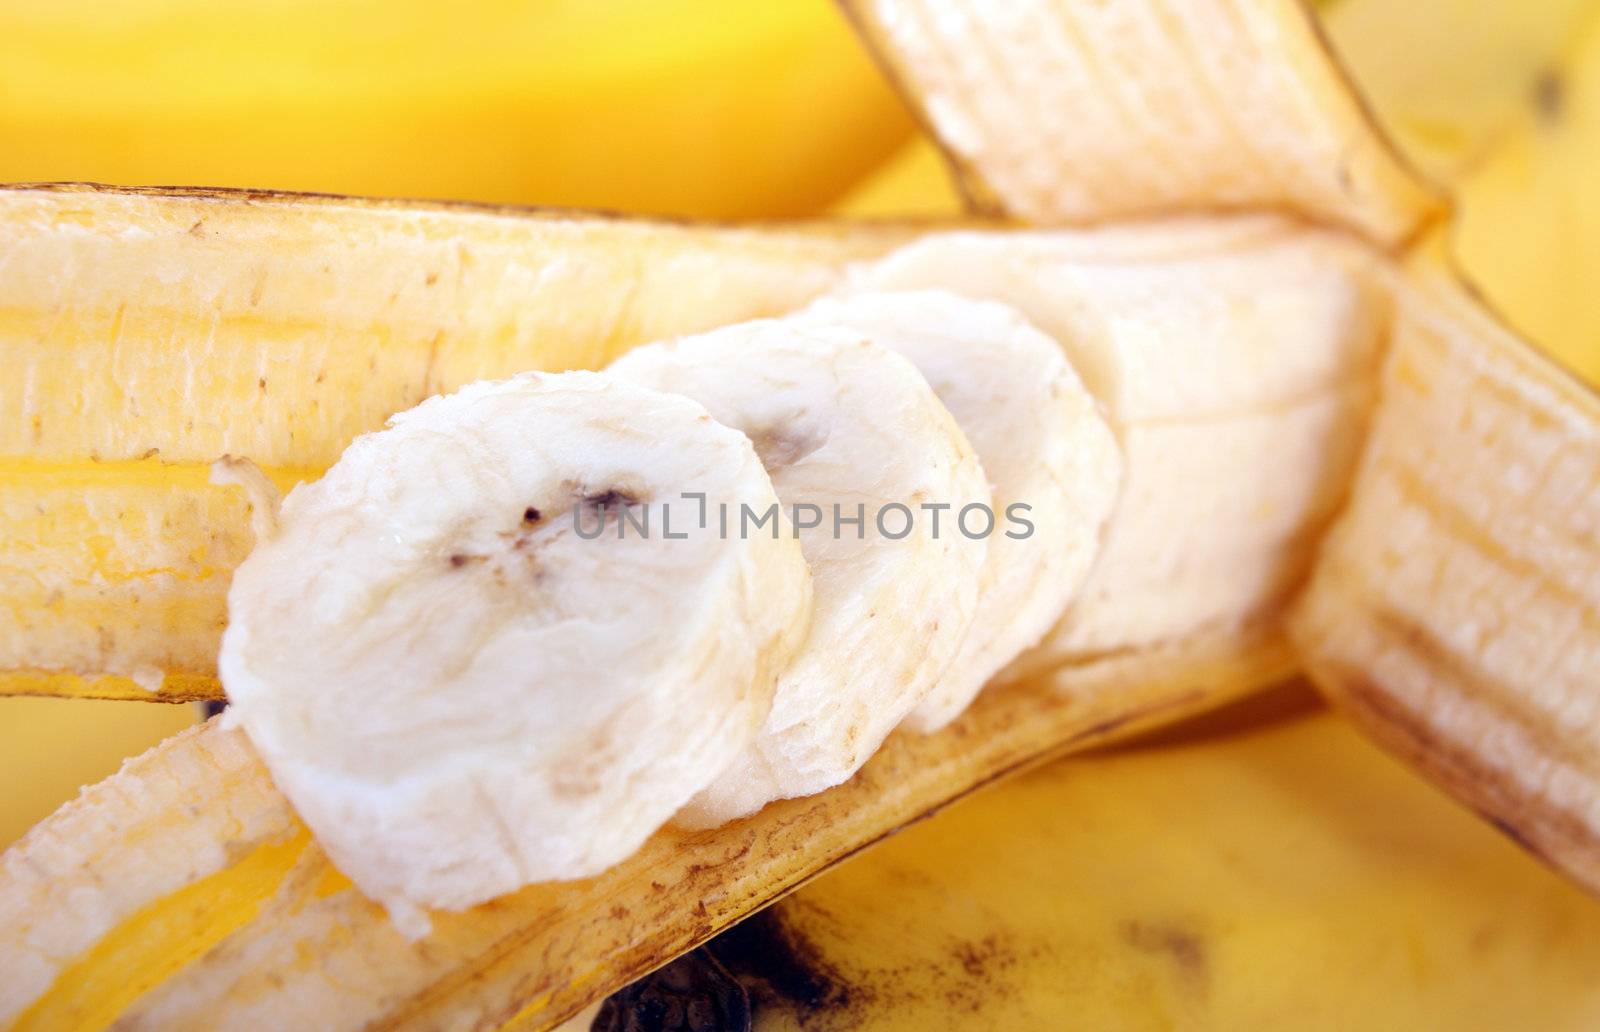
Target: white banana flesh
[1237,437]
[846,426]
[468,668]
[1043,445]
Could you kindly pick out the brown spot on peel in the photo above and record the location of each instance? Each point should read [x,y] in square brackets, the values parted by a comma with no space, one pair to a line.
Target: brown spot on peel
[1550,96]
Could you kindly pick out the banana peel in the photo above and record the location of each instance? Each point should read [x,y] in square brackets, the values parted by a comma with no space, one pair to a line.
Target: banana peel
[168,314]
[223,902]
[200,901]
[1080,113]
[1455,610]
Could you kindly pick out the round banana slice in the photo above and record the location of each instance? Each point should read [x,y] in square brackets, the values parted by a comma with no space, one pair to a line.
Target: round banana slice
[476,654]
[1052,462]
[858,448]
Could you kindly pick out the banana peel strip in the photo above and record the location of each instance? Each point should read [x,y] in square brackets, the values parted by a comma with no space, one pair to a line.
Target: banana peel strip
[198,324]
[1455,609]
[184,893]
[1071,113]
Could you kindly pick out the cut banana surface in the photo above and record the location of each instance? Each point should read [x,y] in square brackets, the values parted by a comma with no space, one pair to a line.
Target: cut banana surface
[857,445]
[1234,358]
[1052,464]
[473,660]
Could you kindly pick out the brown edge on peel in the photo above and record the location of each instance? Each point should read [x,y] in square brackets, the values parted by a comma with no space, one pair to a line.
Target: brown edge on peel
[176,686]
[241,195]
[1442,210]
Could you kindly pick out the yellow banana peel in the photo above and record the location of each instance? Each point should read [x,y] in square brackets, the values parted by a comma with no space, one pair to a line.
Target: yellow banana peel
[318,318]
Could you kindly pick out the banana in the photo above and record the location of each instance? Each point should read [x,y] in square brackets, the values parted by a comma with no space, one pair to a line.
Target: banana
[915,182]
[316,317]
[1274,125]
[1049,457]
[691,107]
[184,891]
[849,431]
[464,689]
[1236,443]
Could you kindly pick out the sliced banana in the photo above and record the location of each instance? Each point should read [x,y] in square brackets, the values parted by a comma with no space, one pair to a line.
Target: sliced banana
[848,429]
[1238,383]
[474,656]
[1052,463]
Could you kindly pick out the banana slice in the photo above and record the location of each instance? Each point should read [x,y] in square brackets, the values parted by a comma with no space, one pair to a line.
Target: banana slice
[849,431]
[1239,386]
[1052,463]
[473,656]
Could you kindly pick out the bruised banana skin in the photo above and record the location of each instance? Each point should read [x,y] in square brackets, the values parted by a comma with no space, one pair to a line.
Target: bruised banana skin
[198,324]
[1082,113]
[1237,444]
[1455,610]
[1530,210]
[200,901]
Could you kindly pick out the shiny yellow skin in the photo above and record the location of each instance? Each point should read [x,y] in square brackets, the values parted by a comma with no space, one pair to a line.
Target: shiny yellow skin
[717,108]
[914,183]
[1529,227]
[1285,876]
